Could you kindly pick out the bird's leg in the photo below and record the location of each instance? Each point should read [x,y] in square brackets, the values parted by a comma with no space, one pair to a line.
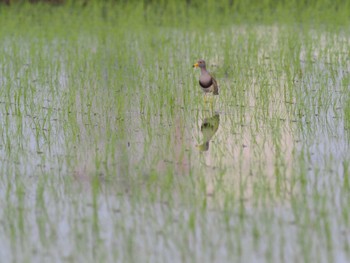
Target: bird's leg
[205,97]
[211,103]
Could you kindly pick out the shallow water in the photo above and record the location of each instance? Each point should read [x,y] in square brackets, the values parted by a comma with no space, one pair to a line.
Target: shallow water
[101,160]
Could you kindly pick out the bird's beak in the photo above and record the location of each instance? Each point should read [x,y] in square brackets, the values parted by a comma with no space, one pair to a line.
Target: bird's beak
[195,65]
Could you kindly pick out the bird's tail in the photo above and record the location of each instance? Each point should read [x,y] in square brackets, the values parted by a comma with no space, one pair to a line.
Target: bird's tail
[216,90]
[216,87]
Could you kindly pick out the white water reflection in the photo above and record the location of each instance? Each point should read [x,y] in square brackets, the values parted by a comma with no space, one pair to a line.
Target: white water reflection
[87,182]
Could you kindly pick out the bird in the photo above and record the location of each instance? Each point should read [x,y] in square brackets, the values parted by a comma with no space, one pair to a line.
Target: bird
[206,80]
[208,128]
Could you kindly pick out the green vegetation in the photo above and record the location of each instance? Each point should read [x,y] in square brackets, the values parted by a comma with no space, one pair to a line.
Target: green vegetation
[102,115]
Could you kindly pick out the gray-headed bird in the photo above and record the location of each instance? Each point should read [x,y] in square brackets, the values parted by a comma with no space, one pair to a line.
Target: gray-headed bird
[206,80]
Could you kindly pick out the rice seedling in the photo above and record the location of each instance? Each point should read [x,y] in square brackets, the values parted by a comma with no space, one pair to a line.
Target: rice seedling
[102,115]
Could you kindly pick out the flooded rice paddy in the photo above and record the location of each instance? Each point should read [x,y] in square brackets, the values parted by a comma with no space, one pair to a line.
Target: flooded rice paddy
[109,153]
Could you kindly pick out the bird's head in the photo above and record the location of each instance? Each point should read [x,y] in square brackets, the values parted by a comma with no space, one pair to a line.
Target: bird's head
[200,64]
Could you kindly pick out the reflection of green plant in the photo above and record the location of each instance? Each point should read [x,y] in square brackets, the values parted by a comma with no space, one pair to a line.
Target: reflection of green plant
[99,111]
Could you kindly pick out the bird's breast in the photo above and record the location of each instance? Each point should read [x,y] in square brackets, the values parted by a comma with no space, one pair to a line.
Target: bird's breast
[205,85]
[205,80]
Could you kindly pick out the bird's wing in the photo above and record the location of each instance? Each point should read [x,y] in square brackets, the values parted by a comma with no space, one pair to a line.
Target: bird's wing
[216,87]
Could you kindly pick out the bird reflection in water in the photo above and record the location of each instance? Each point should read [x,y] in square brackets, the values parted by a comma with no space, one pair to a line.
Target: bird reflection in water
[208,128]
